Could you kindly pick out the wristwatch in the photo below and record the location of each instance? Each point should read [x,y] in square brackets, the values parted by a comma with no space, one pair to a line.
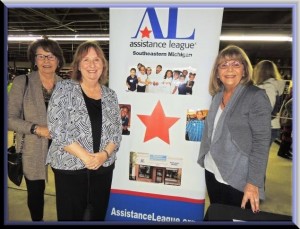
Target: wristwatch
[33,129]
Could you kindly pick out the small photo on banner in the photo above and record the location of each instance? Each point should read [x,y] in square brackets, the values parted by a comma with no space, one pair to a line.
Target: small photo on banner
[195,124]
[125,112]
[159,169]
[154,78]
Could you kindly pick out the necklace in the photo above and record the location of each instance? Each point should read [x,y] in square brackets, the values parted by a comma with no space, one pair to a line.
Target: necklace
[223,101]
[47,93]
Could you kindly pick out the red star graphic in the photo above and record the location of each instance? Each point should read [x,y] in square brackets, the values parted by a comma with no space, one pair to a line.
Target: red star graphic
[146,32]
[157,124]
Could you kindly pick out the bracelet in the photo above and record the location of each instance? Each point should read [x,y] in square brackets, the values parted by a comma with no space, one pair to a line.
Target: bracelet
[33,129]
[107,154]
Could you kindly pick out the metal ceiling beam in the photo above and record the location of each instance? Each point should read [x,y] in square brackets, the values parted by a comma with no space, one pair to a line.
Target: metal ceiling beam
[50,19]
[235,20]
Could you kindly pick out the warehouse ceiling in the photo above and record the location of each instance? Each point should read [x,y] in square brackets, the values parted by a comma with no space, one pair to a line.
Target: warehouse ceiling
[62,21]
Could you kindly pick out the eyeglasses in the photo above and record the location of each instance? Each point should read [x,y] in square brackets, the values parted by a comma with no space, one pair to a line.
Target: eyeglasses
[235,64]
[43,57]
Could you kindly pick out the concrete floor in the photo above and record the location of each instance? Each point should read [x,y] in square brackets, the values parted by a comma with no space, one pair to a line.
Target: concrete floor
[278,193]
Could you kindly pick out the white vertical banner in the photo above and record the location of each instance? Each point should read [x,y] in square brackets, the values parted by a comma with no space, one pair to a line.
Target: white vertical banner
[157,177]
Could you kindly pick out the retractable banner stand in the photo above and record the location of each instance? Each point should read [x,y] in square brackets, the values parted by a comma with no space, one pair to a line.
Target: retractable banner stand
[160,62]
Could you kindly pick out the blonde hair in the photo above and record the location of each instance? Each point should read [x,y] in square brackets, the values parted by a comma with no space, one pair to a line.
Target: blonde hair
[265,70]
[228,53]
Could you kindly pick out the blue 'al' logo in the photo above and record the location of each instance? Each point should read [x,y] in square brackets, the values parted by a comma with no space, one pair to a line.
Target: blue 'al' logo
[156,29]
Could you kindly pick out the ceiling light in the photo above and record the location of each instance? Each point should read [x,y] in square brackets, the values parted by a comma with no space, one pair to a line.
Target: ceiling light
[21,38]
[255,38]
[106,38]
[59,38]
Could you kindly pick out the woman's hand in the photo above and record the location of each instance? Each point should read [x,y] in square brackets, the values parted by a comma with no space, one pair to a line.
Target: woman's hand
[96,160]
[43,131]
[88,160]
[91,160]
[251,193]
